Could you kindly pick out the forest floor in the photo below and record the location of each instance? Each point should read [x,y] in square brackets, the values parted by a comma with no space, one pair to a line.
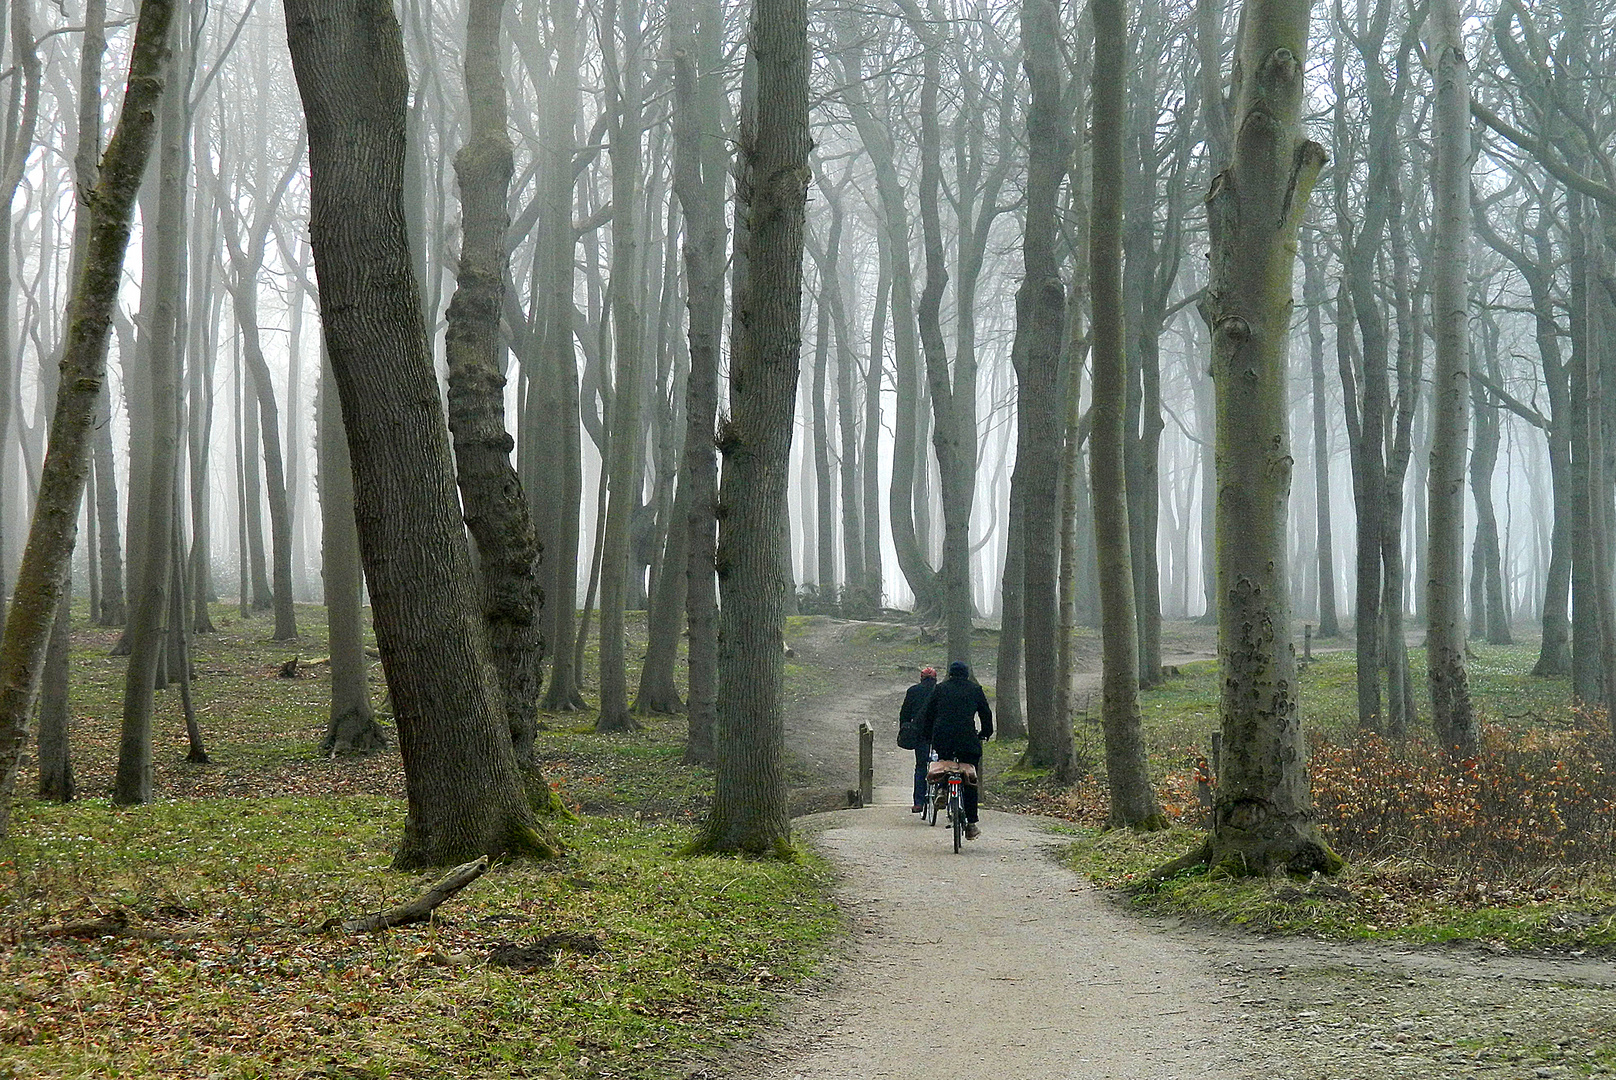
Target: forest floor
[1001,960]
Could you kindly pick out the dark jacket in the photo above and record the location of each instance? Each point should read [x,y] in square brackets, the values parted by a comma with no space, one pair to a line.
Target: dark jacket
[914,699]
[948,719]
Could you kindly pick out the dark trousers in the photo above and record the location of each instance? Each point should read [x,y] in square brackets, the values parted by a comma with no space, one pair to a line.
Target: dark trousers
[922,759]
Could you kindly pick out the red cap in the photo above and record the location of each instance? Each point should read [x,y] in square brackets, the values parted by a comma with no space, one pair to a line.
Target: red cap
[928,673]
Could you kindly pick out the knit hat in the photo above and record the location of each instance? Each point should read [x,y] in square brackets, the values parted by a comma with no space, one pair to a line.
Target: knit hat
[959,670]
[928,672]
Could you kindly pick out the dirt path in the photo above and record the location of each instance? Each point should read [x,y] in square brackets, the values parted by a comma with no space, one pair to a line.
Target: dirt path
[1015,962]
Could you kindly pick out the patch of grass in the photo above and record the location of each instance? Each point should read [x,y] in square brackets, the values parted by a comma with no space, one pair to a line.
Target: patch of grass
[685,954]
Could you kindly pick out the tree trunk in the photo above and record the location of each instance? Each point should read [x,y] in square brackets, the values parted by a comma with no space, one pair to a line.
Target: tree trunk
[352,727]
[113,611]
[622,467]
[1040,336]
[1445,635]
[1133,802]
[262,595]
[874,375]
[147,621]
[42,577]
[464,794]
[824,523]
[23,113]
[1010,718]
[558,368]
[749,806]
[894,243]
[199,390]
[700,163]
[1313,289]
[56,782]
[953,398]
[494,504]
[1263,816]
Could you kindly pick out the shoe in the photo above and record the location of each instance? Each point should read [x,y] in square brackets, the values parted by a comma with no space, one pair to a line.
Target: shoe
[971,831]
[918,808]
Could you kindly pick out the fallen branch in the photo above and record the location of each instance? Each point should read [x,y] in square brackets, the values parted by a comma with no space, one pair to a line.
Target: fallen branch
[418,910]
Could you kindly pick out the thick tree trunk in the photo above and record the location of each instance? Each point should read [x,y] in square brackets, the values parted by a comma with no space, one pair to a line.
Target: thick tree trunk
[1445,636]
[1040,336]
[1133,802]
[464,794]
[495,506]
[749,807]
[1263,816]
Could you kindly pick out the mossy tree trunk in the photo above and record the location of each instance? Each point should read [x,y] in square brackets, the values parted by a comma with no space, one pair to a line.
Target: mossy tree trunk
[42,576]
[1133,800]
[1263,816]
[749,806]
[465,797]
[495,506]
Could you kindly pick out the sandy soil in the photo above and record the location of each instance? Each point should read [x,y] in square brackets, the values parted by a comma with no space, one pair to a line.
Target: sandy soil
[999,962]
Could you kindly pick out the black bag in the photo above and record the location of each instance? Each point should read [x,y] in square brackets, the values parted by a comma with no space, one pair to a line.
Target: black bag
[909,734]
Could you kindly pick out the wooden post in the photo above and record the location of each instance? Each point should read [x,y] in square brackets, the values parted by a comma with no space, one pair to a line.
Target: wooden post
[1307,642]
[1217,752]
[866,764]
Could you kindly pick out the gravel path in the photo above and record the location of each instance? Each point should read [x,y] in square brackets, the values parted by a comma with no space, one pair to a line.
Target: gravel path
[1024,970]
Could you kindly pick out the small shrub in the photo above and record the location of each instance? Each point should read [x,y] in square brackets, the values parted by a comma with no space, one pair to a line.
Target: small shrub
[1527,799]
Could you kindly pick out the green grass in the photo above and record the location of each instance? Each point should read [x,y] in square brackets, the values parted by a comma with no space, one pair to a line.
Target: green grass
[689,950]
[229,875]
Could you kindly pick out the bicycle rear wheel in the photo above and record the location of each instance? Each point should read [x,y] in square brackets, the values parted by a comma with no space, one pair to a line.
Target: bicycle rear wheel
[956,816]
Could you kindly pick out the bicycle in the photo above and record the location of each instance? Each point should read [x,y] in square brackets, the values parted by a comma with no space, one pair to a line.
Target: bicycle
[945,789]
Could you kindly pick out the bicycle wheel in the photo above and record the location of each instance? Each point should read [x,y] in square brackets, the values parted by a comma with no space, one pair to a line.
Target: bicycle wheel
[931,805]
[956,814]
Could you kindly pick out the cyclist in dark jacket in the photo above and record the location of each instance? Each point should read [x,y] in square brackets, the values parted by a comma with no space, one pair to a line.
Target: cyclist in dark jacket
[910,709]
[948,723]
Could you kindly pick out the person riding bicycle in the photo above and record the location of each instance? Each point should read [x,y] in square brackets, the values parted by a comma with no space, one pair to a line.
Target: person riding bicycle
[910,711]
[948,723]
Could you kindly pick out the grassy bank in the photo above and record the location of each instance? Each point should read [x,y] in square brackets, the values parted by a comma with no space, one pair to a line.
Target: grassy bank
[183,938]
[1512,849]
